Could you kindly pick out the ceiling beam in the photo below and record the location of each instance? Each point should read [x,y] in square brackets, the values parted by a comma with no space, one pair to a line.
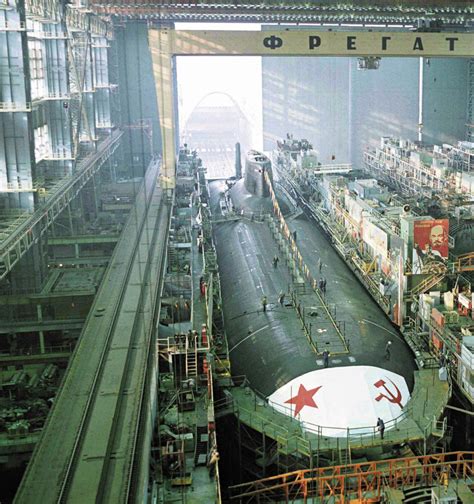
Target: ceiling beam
[271,11]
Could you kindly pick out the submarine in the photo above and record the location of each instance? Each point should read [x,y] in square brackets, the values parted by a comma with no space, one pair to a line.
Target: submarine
[359,370]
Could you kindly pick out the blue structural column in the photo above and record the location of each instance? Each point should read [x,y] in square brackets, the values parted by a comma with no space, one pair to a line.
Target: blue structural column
[17,164]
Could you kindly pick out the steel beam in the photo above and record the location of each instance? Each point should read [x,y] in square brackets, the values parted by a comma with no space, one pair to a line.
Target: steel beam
[46,358]
[407,12]
[83,239]
[25,236]
[304,42]
[13,300]
[163,61]
[35,326]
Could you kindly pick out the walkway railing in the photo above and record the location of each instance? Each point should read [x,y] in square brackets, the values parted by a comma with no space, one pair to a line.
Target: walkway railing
[265,415]
[16,245]
[182,343]
[351,255]
[282,228]
[360,480]
[450,352]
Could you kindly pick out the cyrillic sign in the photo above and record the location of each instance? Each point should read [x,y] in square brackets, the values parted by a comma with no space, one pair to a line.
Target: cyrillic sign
[304,42]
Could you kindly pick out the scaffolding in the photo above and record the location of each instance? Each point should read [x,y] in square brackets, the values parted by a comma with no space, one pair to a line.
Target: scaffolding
[17,244]
[416,169]
[363,481]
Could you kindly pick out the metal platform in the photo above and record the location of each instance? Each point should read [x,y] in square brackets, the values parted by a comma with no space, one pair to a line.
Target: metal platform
[399,480]
[416,422]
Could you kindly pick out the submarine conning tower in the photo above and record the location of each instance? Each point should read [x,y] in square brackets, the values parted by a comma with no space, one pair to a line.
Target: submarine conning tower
[256,164]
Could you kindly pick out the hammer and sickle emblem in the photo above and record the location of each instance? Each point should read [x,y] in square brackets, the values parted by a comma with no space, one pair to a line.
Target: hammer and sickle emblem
[395,399]
[273,42]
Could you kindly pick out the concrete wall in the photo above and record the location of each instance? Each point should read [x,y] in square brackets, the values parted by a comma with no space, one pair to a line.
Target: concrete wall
[445,99]
[308,97]
[137,94]
[341,109]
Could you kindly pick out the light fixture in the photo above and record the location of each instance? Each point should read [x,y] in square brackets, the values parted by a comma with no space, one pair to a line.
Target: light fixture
[368,63]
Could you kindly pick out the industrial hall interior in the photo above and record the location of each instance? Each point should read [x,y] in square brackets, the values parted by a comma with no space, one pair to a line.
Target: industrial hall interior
[236,251]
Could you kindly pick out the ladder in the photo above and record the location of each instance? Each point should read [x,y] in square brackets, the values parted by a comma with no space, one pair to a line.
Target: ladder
[172,257]
[191,360]
[345,455]
[201,445]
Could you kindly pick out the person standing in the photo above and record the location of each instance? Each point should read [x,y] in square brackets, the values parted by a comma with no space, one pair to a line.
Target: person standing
[275,261]
[387,350]
[381,427]
[212,462]
[200,243]
[323,283]
[320,265]
[326,358]
[264,303]
[202,288]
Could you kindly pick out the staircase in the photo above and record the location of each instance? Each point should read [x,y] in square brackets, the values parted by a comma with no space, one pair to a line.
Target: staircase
[345,457]
[172,257]
[417,495]
[295,214]
[295,450]
[426,284]
[191,363]
[201,446]
[465,262]
[439,427]
[299,287]
[265,459]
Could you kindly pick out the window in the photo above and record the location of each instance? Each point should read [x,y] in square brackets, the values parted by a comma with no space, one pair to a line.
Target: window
[37,72]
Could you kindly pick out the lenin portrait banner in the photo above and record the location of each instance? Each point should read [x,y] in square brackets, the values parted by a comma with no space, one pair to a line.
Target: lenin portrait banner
[430,244]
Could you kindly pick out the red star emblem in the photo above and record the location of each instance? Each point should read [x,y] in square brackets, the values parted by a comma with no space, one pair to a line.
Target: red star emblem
[303,398]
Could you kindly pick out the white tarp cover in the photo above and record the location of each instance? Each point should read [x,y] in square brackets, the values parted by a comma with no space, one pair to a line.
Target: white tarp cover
[342,397]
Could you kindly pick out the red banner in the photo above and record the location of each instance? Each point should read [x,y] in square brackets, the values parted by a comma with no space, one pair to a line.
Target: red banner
[431,236]
[430,244]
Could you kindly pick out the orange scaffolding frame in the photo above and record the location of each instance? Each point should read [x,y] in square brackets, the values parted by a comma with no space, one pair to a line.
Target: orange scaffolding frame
[364,482]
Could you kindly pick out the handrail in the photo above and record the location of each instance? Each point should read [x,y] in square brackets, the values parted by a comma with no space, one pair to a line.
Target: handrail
[386,465]
[363,433]
[281,227]
[354,257]
[358,479]
[179,342]
[427,283]
[453,346]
